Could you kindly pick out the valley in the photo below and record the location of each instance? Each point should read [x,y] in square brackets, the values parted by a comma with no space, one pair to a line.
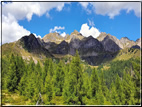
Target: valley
[74,70]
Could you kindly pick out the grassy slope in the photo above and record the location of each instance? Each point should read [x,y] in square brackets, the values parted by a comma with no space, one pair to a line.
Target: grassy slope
[13,48]
[127,53]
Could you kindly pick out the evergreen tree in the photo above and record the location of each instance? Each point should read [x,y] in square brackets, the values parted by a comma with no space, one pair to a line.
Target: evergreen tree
[100,96]
[59,79]
[45,71]
[12,78]
[129,88]
[73,88]
[94,82]
[49,87]
[16,69]
[119,90]
[114,95]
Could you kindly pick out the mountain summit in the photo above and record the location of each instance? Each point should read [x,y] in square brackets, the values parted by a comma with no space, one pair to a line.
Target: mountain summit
[93,50]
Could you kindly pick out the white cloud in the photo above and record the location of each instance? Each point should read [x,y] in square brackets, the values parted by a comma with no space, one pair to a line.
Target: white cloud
[84,4]
[86,31]
[21,10]
[113,9]
[12,12]
[91,23]
[63,34]
[56,28]
[11,31]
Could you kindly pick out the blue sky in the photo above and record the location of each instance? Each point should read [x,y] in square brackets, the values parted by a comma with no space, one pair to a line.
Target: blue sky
[122,19]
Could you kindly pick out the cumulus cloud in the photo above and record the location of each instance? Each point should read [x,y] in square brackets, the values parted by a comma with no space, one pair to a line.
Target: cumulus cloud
[12,12]
[11,30]
[63,34]
[56,28]
[86,31]
[113,9]
[22,10]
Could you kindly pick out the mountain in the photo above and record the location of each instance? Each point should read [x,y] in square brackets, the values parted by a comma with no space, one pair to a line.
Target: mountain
[90,47]
[53,37]
[110,43]
[93,50]
[73,35]
[33,45]
[126,42]
[61,48]
[27,47]
[138,42]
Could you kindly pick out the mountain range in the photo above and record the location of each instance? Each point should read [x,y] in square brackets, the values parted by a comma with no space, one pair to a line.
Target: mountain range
[93,50]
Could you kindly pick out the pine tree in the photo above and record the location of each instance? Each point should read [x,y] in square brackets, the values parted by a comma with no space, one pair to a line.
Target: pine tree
[12,78]
[49,87]
[119,90]
[86,85]
[129,88]
[73,87]
[94,82]
[14,73]
[100,96]
[59,79]
[114,95]
[45,71]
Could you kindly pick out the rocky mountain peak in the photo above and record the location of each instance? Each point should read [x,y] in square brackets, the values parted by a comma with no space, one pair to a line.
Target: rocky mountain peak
[138,42]
[32,35]
[33,45]
[75,32]
[53,37]
[101,36]
[124,40]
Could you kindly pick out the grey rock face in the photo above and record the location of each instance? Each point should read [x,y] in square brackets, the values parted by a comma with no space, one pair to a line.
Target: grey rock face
[61,48]
[110,45]
[127,43]
[74,45]
[138,42]
[103,35]
[32,44]
[91,46]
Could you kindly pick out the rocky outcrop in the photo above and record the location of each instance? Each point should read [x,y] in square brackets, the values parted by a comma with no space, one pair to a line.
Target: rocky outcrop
[138,42]
[108,41]
[127,43]
[33,45]
[90,47]
[61,48]
[53,37]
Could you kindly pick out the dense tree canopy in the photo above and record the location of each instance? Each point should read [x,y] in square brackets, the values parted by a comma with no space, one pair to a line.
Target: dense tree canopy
[73,83]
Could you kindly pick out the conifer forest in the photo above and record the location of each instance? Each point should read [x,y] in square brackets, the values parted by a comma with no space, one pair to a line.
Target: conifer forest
[58,82]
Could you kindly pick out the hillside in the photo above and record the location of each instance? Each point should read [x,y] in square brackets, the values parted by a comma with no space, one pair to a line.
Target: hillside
[74,71]
[28,47]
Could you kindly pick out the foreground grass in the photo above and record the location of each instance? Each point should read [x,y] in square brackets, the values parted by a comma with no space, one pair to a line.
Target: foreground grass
[14,99]
[9,98]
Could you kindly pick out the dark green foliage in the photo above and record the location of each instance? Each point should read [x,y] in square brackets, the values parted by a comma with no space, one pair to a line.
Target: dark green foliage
[59,79]
[15,72]
[94,82]
[74,82]
[70,83]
